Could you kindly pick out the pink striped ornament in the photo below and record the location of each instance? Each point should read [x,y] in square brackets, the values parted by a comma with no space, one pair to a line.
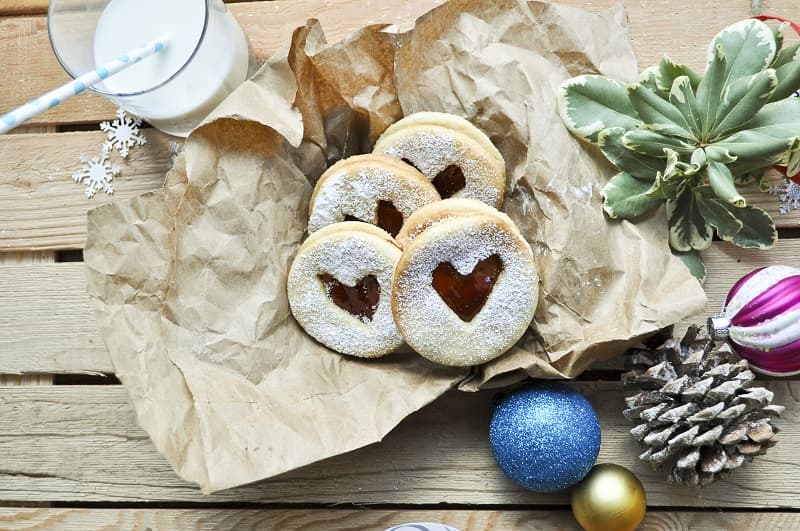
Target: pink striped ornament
[761,318]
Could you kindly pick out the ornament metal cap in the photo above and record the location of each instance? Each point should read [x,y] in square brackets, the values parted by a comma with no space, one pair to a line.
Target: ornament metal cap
[719,327]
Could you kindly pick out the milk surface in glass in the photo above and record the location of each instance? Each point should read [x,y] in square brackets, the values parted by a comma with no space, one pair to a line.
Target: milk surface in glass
[206,58]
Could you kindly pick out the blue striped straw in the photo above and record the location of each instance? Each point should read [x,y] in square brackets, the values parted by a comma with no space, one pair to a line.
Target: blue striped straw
[54,97]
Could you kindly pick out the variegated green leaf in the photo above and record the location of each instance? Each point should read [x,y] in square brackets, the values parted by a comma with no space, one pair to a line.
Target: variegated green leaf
[659,114]
[648,79]
[699,157]
[688,229]
[664,187]
[693,262]
[716,214]
[742,170]
[721,180]
[777,120]
[788,81]
[640,166]
[682,97]
[709,91]
[786,55]
[668,71]
[688,169]
[741,100]
[691,140]
[667,182]
[590,103]
[653,144]
[793,163]
[749,47]
[718,154]
[758,229]
[770,133]
[753,144]
[624,197]
[659,189]
[673,161]
[777,34]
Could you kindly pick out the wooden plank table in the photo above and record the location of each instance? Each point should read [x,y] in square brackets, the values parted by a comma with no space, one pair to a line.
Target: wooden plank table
[72,454]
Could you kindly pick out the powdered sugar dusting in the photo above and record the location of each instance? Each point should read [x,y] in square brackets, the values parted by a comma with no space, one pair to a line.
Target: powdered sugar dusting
[432,150]
[508,310]
[431,214]
[419,228]
[357,191]
[348,256]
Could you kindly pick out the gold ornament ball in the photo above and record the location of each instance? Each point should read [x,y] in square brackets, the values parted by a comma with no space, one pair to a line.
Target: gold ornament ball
[610,498]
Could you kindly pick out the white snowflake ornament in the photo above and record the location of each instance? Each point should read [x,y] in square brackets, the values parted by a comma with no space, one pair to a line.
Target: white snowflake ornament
[788,193]
[123,133]
[96,173]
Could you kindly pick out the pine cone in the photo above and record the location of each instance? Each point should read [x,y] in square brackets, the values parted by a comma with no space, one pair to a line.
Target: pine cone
[697,413]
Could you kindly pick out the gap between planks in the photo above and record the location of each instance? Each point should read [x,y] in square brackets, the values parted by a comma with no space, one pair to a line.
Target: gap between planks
[82,444]
[367,519]
[47,323]
[682,26]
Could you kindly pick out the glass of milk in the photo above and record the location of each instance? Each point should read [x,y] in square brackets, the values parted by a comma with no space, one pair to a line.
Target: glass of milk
[207,55]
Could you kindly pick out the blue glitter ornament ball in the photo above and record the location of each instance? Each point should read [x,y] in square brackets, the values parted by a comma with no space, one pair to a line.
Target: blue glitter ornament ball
[545,436]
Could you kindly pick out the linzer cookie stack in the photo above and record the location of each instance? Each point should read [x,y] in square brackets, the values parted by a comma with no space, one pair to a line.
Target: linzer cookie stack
[406,245]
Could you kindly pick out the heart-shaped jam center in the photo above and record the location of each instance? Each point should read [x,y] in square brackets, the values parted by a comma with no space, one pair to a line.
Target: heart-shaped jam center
[447,182]
[360,300]
[466,294]
[389,218]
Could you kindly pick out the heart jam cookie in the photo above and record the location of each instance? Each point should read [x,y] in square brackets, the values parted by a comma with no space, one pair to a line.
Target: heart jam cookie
[375,189]
[340,285]
[455,155]
[465,289]
[466,294]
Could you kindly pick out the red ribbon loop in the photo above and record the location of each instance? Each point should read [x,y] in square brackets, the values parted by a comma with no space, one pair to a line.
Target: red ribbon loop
[795,26]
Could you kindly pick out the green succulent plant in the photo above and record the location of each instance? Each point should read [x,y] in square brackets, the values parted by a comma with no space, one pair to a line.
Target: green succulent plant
[689,140]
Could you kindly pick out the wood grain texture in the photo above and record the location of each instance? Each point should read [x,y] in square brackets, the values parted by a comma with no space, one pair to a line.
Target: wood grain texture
[47,324]
[268,25]
[82,444]
[27,59]
[782,8]
[23,7]
[38,7]
[12,519]
[20,259]
[41,207]
[73,443]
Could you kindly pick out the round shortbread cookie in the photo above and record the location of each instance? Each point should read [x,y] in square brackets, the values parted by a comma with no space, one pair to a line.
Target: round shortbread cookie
[372,188]
[339,289]
[465,290]
[456,156]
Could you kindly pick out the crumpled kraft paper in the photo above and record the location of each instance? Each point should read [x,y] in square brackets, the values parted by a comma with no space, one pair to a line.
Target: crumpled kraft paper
[189,281]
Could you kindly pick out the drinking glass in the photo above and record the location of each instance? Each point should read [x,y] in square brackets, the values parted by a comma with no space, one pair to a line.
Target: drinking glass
[206,58]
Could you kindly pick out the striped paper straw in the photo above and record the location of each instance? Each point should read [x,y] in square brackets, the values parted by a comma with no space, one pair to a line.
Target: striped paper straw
[54,97]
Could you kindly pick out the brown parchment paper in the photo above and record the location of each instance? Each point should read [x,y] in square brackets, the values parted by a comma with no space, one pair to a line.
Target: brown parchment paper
[189,281]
